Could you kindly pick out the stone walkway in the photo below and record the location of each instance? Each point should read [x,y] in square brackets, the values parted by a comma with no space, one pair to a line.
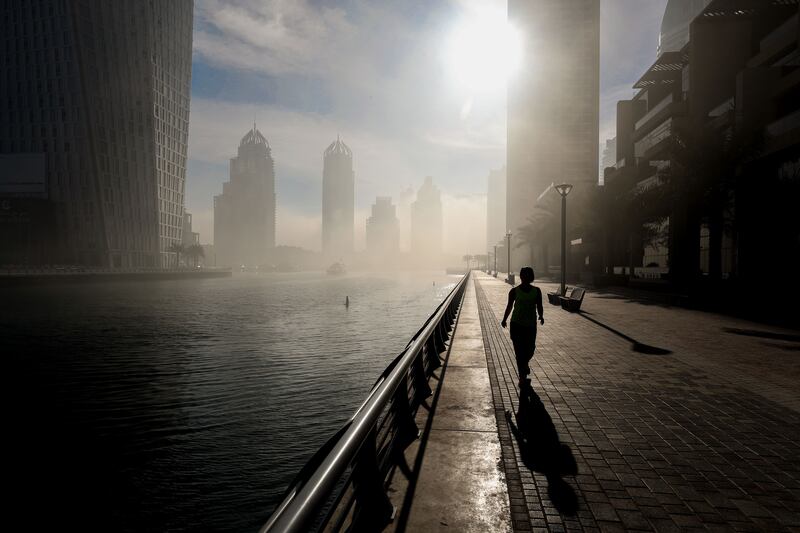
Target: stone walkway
[455,481]
[644,417]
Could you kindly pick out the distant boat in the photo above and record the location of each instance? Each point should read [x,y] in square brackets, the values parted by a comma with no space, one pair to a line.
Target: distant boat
[336,269]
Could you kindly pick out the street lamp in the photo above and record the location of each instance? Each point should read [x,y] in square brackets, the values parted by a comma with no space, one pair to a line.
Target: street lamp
[495,260]
[508,265]
[563,190]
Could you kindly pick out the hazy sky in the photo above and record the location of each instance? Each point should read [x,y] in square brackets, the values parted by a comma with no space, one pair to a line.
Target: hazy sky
[381,75]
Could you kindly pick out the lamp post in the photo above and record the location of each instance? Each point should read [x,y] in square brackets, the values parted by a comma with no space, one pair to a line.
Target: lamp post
[495,260]
[508,265]
[563,190]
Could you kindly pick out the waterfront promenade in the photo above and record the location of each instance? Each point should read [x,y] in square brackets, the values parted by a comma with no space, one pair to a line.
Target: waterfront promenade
[640,417]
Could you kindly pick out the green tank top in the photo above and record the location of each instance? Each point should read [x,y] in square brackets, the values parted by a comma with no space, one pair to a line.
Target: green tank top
[525,306]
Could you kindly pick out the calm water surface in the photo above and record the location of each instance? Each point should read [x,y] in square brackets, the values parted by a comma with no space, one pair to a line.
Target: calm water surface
[189,405]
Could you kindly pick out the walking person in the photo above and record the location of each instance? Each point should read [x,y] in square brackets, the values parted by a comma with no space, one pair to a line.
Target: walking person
[526,300]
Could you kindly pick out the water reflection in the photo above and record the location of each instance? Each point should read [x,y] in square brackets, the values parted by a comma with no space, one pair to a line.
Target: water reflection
[189,405]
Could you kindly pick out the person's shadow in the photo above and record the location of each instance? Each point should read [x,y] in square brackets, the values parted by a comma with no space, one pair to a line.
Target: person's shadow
[542,451]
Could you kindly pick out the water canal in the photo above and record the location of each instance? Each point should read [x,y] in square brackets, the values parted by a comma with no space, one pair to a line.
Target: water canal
[189,405]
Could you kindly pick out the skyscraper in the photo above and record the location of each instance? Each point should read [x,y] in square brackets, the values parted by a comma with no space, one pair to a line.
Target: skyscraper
[338,201]
[244,214]
[98,93]
[426,224]
[383,230]
[495,207]
[404,200]
[553,107]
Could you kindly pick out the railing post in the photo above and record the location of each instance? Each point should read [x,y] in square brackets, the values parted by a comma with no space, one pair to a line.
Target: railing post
[407,430]
[440,337]
[447,320]
[421,388]
[374,509]
[351,460]
[433,353]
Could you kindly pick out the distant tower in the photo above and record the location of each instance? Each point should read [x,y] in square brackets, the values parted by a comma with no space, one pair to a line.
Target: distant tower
[553,111]
[404,201]
[383,230]
[244,214]
[338,201]
[426,224]
[609,158]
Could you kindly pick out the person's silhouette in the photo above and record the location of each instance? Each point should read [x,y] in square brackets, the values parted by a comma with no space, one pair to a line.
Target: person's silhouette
[526,300]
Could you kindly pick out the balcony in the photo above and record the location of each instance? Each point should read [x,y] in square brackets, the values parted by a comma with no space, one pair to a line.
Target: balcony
[655,110]
[644,147]
[784,125]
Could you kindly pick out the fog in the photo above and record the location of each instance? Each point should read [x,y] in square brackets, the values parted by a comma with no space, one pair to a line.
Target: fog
[390,80]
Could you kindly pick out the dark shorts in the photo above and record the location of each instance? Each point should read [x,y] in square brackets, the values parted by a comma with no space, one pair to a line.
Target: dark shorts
[524,339]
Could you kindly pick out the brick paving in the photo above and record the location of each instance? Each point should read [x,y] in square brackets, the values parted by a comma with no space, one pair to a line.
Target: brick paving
[697,430]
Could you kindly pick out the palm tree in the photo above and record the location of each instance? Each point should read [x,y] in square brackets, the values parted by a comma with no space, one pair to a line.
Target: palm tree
[541,230]
[177,248]
[195,251]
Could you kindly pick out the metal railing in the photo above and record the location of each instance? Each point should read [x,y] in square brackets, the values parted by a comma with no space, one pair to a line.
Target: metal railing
[343,486]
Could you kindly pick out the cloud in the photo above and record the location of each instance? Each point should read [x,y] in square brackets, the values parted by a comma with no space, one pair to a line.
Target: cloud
[374,73]
[275,36]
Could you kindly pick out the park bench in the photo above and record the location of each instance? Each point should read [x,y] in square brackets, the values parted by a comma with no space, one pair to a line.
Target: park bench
[572,303]
[555,297]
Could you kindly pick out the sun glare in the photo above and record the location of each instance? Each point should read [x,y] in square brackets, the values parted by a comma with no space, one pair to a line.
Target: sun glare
[483,52]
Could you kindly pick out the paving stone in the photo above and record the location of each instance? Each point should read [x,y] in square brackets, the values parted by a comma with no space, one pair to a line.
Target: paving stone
[704,436]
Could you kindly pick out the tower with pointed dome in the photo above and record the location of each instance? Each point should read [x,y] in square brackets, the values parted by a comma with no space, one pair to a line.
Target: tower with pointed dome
[244,214]
[338,201]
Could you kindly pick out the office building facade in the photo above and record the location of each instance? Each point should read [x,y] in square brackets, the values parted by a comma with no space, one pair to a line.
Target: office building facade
[553,110]
[719,121]
[99,92]
[383,231]
[426,224]
[495,208]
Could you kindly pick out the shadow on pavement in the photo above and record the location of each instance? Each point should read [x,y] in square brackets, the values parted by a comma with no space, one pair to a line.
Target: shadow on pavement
[542,451]
[636,346]
[763,334]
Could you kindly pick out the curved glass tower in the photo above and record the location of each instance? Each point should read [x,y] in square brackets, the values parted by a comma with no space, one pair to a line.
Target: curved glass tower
[678,15]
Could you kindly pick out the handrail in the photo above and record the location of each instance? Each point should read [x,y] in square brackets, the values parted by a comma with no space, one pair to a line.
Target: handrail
[351,458]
